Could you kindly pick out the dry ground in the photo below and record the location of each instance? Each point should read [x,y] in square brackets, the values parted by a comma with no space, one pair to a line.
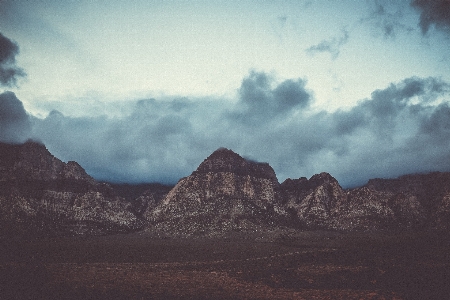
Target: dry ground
[303,265]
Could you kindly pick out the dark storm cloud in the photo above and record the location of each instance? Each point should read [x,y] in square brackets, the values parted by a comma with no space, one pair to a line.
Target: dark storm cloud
[15,126]
[331,46]
[290,94]
[380,114]
[400,129]
[260,102]
[9,73]
[388,102]
[382,136]
[436,12]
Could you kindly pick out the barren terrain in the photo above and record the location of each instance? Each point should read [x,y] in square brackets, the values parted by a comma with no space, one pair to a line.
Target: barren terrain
[302,265]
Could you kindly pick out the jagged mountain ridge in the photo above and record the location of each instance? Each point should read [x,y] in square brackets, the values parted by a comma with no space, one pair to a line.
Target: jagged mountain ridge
[225,193]
[42,194]
[225,160]
[31,161]
[228,192]
[428,195]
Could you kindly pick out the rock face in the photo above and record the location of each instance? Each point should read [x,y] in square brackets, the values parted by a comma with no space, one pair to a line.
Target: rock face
[143,197]
[316,201]
[409,202]
[41,194]
[417,200]
[226,192]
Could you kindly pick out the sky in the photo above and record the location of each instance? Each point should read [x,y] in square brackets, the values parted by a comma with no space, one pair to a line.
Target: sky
[143,91]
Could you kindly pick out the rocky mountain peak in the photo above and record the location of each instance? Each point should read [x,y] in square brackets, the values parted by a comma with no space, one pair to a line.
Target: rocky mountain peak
[32,161]
[322,178]
[302,184]
[226,192]
[295,184]
[225,160]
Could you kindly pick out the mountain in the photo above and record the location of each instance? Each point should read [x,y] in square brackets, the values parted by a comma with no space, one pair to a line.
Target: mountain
[225,193]
[230,193]
[415,201]
[41,194]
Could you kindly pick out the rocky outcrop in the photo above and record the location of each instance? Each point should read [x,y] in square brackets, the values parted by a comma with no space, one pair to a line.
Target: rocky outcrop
[316,201]
[417,200]
[41,194]
[144,202]
[363,209]
[226,192]
[408,202]
[321,203]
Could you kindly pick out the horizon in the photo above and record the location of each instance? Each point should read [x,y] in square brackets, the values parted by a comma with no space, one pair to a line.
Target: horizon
[143,92]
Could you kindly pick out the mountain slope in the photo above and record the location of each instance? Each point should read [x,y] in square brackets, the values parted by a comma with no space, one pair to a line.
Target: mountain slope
[41,194]
[226,192]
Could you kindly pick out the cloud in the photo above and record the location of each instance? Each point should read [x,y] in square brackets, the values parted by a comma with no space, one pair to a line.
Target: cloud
[157,141]
[163,140]
[398,130]
[261,102]
[9,73]
[382,136]
[15,125]
[331,46]
[386,18]
[403,128]
[382,114]
[387,103]
[435,13]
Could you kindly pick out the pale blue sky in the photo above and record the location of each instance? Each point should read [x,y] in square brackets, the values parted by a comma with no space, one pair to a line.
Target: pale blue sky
[120,50]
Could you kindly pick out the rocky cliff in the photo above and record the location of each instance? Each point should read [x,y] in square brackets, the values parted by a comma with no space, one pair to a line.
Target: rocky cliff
[315,202]
[409,202]
[41,194]
[417,200]
[226,192]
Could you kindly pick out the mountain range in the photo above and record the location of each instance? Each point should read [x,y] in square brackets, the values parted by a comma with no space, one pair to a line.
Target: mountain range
[40,194]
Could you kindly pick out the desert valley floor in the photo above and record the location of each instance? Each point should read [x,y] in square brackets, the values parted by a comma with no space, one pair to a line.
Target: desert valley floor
[280,265]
